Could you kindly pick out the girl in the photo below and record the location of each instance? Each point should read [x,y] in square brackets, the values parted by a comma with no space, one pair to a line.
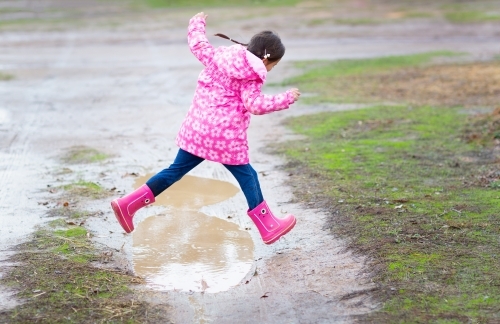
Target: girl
[215,128]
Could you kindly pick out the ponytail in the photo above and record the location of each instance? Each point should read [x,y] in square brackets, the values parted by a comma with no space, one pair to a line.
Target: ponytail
[264,45]
[232,40]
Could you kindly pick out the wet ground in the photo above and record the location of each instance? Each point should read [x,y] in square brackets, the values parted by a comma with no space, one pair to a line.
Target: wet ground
[184,249]
[124,91]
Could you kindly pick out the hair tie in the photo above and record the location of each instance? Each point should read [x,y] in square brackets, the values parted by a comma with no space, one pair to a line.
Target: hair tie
[266,55]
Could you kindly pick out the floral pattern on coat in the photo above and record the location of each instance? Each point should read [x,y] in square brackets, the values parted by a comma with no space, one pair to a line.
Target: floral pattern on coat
[227,93]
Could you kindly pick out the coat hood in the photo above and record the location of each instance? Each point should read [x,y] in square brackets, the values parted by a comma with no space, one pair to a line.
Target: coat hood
[238,63]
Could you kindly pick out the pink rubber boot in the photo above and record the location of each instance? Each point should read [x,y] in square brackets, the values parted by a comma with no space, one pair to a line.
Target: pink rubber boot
[270,227]
[126,207]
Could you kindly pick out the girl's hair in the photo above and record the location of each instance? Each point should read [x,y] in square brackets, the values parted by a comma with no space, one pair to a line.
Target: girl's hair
[265,44]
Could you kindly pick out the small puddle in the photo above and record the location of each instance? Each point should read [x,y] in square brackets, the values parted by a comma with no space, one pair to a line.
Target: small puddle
[186,249]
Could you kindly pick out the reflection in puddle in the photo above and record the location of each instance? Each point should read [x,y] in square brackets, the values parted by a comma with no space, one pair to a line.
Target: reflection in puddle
[180,250]
[192,193]
[189,250]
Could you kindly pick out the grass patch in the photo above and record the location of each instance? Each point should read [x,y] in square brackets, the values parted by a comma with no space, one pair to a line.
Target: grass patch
[408,79]
[86,189]
[418,14]
[414,188]
[405,187]
[471,16]
[7,10]
[57,223]
[322,76]
[356,21]
[348,67]
[215,3]
[83,154]
[6,77]
[58,284]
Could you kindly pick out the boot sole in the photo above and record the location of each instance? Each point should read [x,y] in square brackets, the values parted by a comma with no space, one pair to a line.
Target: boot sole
[118,215]
[277,237]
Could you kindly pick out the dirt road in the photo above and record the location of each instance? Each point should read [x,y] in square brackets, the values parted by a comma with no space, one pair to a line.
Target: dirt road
[124,91]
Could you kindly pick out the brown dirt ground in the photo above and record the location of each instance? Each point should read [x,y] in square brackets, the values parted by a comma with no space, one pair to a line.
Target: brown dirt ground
[469,85]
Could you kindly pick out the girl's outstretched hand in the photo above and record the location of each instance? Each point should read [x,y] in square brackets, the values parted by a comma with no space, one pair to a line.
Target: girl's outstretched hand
[201,14]
[295,93]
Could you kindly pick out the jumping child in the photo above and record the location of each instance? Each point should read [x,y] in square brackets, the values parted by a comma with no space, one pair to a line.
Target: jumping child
[215,128]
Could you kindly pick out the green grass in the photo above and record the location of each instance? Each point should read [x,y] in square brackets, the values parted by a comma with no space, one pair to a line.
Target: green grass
[73,232]
[410,201]
[357,21]
[6,77]
[56,223]
[84,188]
[319,75]
[8,10]
[347,67]
[74,245]
[471,16]
[57,284]
[418,14]
[84,154]
[215,3]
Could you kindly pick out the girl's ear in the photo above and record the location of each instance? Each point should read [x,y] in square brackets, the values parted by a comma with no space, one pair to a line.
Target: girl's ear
[265,61]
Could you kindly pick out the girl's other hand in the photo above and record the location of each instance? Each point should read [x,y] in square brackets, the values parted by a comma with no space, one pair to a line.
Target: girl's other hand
[201,14]
[295,93]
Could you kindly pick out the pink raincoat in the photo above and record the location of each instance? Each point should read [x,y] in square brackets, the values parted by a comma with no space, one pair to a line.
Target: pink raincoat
[228,91]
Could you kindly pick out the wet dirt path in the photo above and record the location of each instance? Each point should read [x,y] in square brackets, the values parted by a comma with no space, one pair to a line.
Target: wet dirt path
[126,95]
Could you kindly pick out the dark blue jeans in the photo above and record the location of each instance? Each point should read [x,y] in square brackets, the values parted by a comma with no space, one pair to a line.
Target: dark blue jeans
[185,162]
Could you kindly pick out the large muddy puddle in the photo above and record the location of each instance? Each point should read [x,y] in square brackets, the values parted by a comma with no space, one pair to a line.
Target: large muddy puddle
[184,249]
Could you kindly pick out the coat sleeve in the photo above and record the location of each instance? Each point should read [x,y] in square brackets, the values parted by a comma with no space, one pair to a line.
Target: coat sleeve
[259,104]
[198,42]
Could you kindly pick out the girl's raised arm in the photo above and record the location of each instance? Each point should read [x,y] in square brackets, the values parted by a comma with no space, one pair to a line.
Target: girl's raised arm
[258,103]
[197,40]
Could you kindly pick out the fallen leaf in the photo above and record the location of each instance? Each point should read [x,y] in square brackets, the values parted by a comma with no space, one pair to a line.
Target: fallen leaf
[130,174]
[204,285]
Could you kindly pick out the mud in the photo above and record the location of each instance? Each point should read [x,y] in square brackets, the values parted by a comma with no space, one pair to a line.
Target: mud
[124,91]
